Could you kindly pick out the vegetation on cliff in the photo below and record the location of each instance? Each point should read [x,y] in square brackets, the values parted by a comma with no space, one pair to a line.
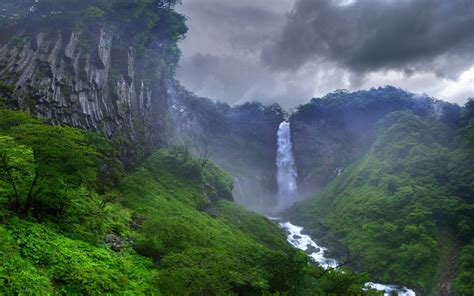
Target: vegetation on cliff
[332,132]
[404,210]
[143,17]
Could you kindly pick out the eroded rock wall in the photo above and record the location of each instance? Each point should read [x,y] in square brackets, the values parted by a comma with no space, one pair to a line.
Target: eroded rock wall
[94,80]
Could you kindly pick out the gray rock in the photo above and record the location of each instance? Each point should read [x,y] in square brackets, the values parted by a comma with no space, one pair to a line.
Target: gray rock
[90,81]
[311,249]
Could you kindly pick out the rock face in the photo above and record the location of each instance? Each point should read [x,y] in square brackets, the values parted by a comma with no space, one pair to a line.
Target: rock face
[241,139]
[332,132]
[89,79]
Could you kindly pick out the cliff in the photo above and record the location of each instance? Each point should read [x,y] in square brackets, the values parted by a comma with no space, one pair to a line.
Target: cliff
[241,139]
[95,74]
[331,132]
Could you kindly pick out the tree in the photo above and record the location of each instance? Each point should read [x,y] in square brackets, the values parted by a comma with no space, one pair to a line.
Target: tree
[6,89]
[204,148]
[42,167]
[18,174]
[63,161]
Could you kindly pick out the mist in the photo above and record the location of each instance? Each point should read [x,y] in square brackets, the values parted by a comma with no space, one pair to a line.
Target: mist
[217,147]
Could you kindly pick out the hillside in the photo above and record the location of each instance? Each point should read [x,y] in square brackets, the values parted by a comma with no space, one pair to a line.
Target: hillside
[403,211]
[168,227]
[332,132]
[117,180]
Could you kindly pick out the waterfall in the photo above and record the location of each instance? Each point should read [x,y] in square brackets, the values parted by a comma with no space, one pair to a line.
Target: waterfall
[287,194]
[286,174]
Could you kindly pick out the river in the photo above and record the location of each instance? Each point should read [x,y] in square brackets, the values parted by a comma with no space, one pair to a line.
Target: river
[317,253]
[287,193]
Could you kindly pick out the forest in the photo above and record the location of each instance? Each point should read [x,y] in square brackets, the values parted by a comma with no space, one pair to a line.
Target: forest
[117,179]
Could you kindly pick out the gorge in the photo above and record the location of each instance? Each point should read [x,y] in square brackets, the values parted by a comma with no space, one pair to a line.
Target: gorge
[287,193]
[115,179]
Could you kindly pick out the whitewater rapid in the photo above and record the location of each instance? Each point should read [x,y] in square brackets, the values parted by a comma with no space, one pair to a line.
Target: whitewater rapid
[304,242]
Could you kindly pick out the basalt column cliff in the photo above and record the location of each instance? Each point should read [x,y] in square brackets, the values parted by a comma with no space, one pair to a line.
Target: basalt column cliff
[107,71]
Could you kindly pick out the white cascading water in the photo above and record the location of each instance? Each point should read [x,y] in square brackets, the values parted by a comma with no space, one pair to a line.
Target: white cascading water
[304,242]
[286,174]
[287,193]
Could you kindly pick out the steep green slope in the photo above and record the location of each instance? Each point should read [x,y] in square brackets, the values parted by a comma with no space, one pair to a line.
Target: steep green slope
[331,132]
[54,223]
[73,222]
[405,209]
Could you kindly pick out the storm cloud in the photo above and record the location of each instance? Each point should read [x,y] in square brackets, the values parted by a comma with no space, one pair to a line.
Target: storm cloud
[365,36]
[288,51]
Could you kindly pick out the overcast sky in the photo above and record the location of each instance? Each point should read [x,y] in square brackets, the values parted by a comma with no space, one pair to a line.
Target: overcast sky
[289,51]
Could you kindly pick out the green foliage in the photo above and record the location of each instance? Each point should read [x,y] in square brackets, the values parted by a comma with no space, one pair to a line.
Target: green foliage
[6,90]
[464,284]
[93,12]
[212,272]
[254,225]
[17,172]
[468,111]
[17,274]
[77,267]
[57,179]
[10,119]
[392,206]
[223,250]
[44,175]
[467,135]
[167,228]
[142,17]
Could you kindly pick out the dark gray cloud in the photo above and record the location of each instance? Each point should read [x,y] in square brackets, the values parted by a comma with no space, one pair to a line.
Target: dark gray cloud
[223,77]
[237,80]
[288,51]
[366,35]
[221,54]
[231,27]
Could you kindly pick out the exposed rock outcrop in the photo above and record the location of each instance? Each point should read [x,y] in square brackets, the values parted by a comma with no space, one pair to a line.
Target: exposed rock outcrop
[92,79]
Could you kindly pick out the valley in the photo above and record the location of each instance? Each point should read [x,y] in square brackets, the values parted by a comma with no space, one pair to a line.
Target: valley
[116,179]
